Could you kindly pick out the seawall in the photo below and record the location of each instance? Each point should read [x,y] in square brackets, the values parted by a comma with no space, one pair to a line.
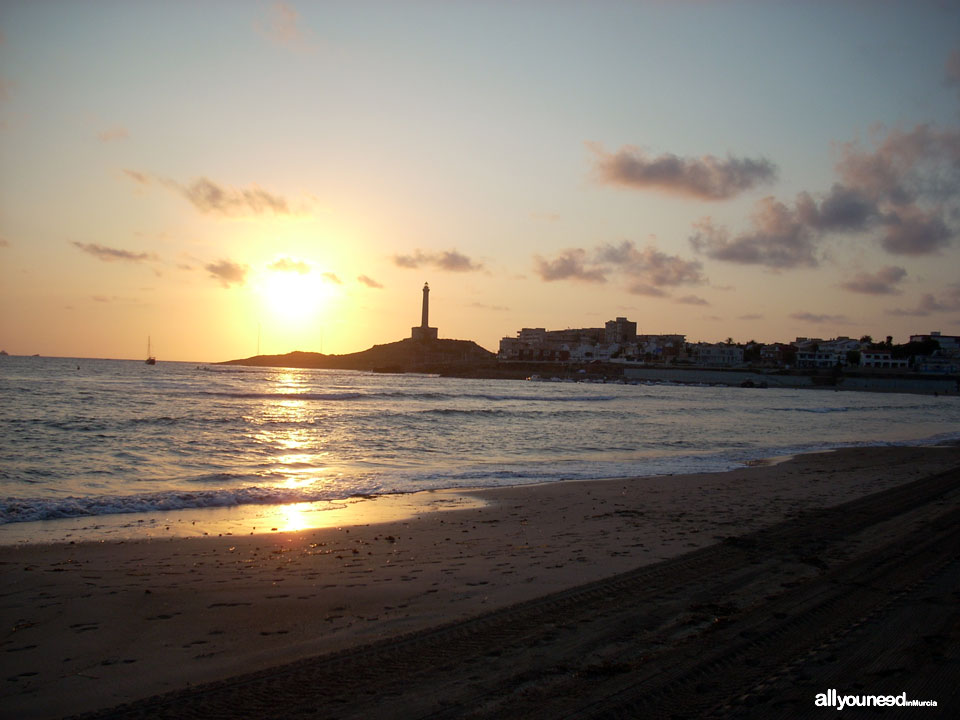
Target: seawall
[914,384]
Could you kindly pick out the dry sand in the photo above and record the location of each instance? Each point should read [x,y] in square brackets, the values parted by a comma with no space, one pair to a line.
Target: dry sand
[90,626]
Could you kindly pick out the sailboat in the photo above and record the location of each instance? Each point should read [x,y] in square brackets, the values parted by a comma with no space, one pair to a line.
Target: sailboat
[151,360]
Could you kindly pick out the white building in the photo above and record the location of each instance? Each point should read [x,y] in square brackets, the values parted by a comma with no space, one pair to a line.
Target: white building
[949,344]
[882,360]
[717,354]
[818,359]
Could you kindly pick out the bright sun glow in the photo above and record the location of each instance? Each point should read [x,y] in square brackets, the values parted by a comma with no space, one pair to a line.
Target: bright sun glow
[294,297]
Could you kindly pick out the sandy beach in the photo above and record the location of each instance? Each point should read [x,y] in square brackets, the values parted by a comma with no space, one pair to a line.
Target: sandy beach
[91,626]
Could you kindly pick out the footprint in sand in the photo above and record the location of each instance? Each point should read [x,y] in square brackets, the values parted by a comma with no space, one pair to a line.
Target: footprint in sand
[84,627]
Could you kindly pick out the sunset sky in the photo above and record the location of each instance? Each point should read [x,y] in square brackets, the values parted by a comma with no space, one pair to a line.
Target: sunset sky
[196,171]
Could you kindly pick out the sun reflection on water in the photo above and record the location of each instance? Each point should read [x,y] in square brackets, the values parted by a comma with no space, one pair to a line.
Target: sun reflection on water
[290,518]
[290,436]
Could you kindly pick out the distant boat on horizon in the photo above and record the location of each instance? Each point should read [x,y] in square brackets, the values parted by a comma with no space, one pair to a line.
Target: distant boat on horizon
[151,360]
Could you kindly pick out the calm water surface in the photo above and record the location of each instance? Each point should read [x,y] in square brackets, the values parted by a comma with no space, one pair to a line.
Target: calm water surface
[99,437]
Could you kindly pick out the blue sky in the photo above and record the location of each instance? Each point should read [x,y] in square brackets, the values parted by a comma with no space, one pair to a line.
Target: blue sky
[194,171]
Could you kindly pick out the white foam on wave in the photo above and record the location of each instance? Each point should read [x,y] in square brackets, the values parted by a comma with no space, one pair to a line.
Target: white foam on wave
[36,509]
[413,479]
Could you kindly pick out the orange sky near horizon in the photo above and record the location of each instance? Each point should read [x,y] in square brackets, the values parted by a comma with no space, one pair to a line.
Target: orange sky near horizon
[207,175]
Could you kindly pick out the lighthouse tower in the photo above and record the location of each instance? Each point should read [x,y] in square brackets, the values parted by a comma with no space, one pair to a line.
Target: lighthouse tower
[424,332]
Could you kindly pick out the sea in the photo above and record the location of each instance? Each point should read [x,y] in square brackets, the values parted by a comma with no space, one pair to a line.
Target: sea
[87,440]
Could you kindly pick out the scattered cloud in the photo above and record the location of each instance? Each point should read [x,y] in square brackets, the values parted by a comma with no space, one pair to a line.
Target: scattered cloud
[289,265]
[705,178]
[208,197]
[907,312]
[115,299]
[930,304]
[916,233]
[907,186]
[283,27]
[650,265]
[4,242]
[569,265]
[228,273]
[457,262]
[448,260]
[332,278]
[842,209]
[484,306]
[108,254]
[882,282]
[111,134]
[647,270]
[820,319]
[639,288]
[903,192]
[779,239]
[692,300]
[750,316]
[369,282]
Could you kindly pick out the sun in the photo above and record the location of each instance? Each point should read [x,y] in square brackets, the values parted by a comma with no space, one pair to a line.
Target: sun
[293,297]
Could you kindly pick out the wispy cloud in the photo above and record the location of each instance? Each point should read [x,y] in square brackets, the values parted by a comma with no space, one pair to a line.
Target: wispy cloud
[115,299]
[692,300]
[4,242]
[138,177]
[448,260]
[705,178]
[112,134]
[283,26]
[209,197]
[216,199]
[484,306]
[289,265]
[332,278]
[227,272]
[109,254]
[820,319]
[369,282]
[640,288]
[882,282]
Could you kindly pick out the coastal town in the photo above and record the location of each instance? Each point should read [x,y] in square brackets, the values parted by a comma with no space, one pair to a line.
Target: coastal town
[926,363]
[618,342]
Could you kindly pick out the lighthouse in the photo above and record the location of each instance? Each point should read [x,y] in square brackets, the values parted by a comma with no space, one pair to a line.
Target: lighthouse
[424,332]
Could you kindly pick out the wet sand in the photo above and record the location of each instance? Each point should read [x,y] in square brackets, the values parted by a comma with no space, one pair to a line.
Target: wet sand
[91,626]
